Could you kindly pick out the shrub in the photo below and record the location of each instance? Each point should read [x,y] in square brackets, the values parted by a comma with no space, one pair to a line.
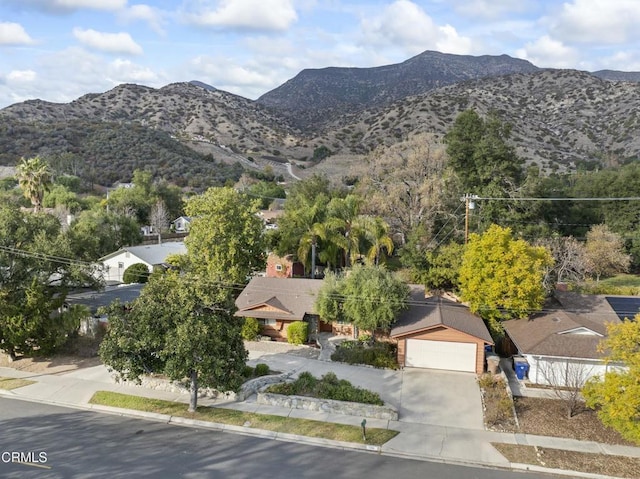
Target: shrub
[261,370]
[297,332]
[247,371]
[250,329]
[379,355]
[136,273]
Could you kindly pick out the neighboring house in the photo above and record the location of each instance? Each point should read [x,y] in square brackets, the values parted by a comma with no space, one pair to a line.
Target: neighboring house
[115,264]
[561,343]
[438,333]
[278,302]
[270,218]
[278,267]
[181,224]
[94,300]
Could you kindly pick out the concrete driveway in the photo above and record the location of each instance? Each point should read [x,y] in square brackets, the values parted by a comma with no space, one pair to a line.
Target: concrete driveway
[440,398]
[421,396]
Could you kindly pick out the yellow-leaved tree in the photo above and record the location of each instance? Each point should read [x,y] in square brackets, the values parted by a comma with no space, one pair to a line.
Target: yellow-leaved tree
[502,277]
[617,395]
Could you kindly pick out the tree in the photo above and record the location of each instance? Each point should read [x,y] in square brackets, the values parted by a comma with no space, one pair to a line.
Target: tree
[159,218]
[407,183]
[370,298]
[376,232]
[444,267]
[567,382]
[225,241]
[617,396]
[267,192]
[136,273]
[570,262]
[502,277]
[604,252]
[34,280]
[181,325]
[34,178]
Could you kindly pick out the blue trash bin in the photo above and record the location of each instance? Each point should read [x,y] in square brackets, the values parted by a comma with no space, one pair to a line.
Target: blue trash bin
[522,368]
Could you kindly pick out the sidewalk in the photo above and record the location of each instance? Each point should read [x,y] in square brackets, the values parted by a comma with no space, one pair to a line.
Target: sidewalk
[415,441]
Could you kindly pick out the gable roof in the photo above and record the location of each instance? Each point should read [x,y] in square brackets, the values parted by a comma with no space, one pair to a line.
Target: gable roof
[152,253]
[571,325]
[426,313]
[278,298]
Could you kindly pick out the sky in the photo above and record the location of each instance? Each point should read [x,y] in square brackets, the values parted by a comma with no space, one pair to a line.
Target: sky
[59,50]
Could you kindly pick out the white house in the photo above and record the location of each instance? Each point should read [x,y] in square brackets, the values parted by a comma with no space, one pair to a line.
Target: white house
[561,344]
[115,264]
[181,224]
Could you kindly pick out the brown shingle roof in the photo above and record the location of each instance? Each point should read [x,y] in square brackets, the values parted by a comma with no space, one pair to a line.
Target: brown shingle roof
[294,297]
[425,313]
[571,326]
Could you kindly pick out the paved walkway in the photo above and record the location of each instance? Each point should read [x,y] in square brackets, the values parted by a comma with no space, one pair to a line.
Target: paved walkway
[426,439]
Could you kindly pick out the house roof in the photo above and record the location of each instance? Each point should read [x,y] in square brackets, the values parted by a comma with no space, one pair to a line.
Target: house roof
[151,254]
[427,313]
[96,299]
[285,298]
[571,325]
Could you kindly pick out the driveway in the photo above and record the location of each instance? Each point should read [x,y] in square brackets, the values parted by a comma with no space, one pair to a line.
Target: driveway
[421,396]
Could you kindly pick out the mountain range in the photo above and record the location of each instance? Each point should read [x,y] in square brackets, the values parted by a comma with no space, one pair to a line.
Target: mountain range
[184,132]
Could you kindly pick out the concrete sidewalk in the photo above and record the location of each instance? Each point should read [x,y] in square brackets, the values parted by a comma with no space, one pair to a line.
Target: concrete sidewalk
[436,442]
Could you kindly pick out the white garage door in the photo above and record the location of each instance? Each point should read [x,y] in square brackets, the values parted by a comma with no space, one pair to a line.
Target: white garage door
[422,353]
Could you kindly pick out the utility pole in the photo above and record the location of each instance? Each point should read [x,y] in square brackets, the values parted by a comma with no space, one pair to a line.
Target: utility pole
[469,204]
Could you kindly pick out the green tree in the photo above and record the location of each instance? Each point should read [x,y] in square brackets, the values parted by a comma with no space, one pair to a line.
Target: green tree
[502,277]
[617,396]
[61,196]
[444,267]
[34,280]
[267,192]
[34,178]
[604,252]
[225,241]
[136,273]
[181,325]
[370,297]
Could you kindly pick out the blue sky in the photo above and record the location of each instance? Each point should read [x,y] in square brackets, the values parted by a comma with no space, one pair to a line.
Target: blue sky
[58,50]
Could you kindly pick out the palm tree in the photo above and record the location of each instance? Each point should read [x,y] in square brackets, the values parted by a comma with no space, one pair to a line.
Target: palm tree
[343,216]
[34,178]
[376,232]
[310,217]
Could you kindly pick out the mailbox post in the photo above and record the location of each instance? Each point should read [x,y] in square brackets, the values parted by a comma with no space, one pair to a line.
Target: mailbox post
[364,430]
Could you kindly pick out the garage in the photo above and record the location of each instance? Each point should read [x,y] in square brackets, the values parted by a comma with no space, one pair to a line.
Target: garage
[440,333]
[452,356]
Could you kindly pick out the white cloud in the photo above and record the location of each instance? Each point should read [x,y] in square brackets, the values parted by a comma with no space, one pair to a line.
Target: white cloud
[488,8]
[14,34]
[597,21]
[547,52]
[276,15]
[406,25]
[63,6]
[108,42]
[125,71]
[146,13]
[20,76]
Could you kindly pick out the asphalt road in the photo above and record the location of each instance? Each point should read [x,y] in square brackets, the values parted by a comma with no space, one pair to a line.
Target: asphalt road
[79,444]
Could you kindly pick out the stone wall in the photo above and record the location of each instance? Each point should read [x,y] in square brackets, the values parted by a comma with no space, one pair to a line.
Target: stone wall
[160,383]
[252,386]
[328,406]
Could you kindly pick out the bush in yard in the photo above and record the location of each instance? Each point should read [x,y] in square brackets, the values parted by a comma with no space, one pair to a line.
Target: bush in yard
[297,332]
[250,329]
[261,370]
[136,273]
[327,387]
[380,355]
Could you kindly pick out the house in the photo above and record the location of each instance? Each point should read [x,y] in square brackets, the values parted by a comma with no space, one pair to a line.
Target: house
[115,264]
[181,224]
[94,300]
[283,267]
[561,343]
[278,302]
[438,333]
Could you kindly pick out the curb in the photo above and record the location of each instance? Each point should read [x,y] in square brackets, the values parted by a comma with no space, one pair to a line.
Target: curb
[287,437]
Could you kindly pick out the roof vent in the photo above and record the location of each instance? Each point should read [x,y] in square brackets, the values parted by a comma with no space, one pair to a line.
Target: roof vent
[556,319]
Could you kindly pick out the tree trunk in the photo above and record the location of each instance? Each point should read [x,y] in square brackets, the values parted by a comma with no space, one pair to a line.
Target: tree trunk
[193,402]
[313,259]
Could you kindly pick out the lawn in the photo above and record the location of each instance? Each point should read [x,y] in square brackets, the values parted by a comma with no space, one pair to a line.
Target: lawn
[14,383]
[303,427]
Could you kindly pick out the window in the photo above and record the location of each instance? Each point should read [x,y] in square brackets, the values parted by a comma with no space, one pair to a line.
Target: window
[267,322]
[120,265]
[278,267]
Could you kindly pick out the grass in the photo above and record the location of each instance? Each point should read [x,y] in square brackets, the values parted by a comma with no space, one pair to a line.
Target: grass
[618,466]
[622,284]
[14,383]
[303,427]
